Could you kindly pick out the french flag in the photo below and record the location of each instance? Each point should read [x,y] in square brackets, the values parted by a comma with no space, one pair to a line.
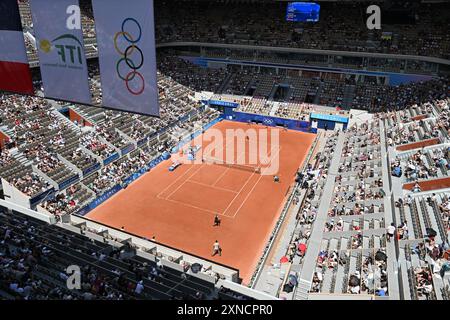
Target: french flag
[15,75]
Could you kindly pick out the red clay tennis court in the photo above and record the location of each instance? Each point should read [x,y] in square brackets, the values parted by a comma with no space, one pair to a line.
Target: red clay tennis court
[178,207]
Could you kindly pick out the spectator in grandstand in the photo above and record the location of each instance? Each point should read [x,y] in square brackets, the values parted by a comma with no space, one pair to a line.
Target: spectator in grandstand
[444,269]
[416,187]
[402,231]
[420,250]
[397,171]
[390,232]
[424,281]
[139,288]
[444,207]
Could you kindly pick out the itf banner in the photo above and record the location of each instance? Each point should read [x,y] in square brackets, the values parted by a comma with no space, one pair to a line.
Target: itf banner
[59,40]
[127,56]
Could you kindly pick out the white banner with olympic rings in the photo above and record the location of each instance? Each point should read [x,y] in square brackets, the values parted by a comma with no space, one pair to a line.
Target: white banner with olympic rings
[127,55]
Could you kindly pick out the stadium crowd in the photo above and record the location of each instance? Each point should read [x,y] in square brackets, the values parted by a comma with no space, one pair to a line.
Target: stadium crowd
[34,257]
[344,27]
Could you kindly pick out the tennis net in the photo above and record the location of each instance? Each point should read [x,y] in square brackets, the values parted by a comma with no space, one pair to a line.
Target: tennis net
[243,167]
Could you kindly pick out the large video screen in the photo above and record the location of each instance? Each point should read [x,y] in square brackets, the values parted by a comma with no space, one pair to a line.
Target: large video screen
[302,12]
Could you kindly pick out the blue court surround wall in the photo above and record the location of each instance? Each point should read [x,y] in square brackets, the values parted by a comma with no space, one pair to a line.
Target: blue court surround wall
[271,121]
[328,120]
[322,120]
[230,113]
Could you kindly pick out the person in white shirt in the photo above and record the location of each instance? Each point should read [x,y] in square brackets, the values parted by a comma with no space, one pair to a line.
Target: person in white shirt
[405,230]
[217,249]
[390,232]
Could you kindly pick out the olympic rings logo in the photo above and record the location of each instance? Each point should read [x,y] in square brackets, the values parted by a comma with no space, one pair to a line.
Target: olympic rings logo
[267,121]
[125,57]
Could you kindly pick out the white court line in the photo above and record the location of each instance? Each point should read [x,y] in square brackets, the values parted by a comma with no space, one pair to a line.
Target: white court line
[174,182]
[254,186]
[210,186]
[198,208]
[237,194]
[237,160]
[182,184]
[226,170]
[213,186]
[220,176]
[189,179]
[192,206]
[170,185]
[246,182]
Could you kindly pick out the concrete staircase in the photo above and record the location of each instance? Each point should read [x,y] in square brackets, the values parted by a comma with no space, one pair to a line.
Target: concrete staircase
[317,97]
[301,292]
[19,156]
[224,83]
[309,261]
[14,152]
[349,94]
[58,114]
[273,111]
